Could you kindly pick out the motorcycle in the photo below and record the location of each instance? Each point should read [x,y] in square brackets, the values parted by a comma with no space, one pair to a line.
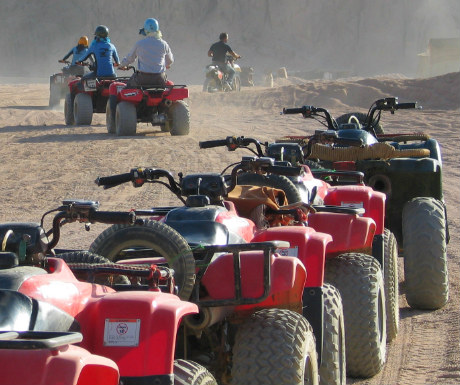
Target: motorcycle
[217,80]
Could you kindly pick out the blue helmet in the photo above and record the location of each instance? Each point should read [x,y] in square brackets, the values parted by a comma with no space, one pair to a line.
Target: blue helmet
[151,25]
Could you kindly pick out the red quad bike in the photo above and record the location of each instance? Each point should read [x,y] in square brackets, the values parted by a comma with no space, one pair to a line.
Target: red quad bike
[360,245]
[159,106]
[85,97]
[408,169]
[209,217]
[125,333]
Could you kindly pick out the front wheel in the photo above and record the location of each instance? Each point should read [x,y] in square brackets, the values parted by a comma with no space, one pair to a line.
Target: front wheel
[190,373]
[179,118]
[275,347]
[425,258]
[236,86]
[151,240]
[125,119]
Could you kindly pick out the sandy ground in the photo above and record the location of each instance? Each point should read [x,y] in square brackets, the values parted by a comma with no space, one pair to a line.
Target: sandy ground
[43,162]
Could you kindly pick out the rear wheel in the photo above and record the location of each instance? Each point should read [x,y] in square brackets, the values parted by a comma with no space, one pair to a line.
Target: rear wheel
[125,119]
[236,86]
[190,373]
[333,362]
[358,278]
[110,114]
[280,182]
[275,346]
[55,95]
[179,118]
[391,283]
[425,258]
[68,110]
[361,118]
[153,239]
[83,109]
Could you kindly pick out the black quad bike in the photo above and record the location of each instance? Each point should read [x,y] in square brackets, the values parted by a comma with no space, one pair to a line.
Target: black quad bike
[407,167]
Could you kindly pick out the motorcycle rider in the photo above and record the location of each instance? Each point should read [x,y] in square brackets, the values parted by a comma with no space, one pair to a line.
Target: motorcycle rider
[104,52]
[219,52]
[153,55]
[77,52]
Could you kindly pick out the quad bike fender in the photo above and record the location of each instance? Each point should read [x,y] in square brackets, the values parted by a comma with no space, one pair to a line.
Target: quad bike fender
[131,95]
[317,188]
[365,197]
[60,288]
[116,87]
[65,365]
[73,84]
[176,93]
[308,245]
[350,233]
[137,330]
[287,276]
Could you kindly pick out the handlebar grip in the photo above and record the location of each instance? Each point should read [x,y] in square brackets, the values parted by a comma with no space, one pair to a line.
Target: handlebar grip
[406,106]
[285,170]
[297,110]
[114,180]
[113,217]
[213,143]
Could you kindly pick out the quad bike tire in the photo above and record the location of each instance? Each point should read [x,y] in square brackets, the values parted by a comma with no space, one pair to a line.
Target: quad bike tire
[55,95]
[274,346]
[332,370]
[280,182]
[391,283]
[110,114]
[83,109]
[359,279]
[424,250]
[125,119]
[179,118]
[68,110]
[87,257]
[378,128]
[209,84]
[190,373]
[156,238]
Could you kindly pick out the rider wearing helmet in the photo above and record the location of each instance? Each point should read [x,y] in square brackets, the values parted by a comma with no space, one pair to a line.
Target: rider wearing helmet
[153,57]
[77,53]
[219,52]
[104,52]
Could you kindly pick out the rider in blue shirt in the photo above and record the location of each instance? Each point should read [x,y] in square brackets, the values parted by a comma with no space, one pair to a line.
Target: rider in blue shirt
[104,52]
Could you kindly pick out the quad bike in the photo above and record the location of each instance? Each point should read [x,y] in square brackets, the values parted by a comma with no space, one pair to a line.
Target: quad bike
[216,79]
[59,83]
[85,97]
[408,169]
[357,242]
[235,331]
[211,218]
[159,106]
[126,332]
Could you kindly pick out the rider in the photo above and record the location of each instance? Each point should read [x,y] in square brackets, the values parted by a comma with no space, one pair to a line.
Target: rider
[219,52]
[77,52]
[103,51]
[153,57]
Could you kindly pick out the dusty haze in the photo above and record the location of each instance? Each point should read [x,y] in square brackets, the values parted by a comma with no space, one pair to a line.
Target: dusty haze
[357,37]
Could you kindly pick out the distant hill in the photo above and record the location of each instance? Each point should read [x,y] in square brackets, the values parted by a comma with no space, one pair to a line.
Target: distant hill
[354,37]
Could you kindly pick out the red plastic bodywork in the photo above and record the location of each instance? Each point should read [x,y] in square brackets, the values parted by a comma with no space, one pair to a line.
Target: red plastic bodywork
[308,245]
[159,315]
[66,365]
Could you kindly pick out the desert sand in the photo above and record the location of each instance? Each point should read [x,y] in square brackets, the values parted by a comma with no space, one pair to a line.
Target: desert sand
[43,161]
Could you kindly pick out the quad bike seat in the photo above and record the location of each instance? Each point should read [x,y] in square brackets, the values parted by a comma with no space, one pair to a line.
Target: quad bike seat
[20,312]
